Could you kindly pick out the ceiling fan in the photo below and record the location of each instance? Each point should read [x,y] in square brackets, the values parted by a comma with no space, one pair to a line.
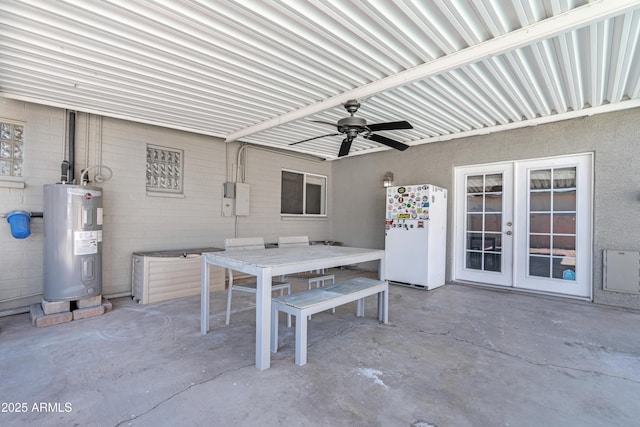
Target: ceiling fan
[353,126]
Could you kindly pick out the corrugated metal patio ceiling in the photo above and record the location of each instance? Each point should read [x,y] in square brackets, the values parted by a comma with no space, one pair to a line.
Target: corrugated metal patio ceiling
[260,71]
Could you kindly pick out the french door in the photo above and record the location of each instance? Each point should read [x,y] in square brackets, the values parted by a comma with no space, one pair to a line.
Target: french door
[526,224]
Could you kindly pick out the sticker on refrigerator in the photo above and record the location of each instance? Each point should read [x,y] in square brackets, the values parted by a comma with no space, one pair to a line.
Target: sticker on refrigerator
[85,242]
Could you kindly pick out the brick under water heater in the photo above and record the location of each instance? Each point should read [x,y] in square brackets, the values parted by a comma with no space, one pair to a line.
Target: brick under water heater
[72,242]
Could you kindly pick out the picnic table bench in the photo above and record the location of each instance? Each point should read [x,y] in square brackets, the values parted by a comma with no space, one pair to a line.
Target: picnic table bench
[312,301]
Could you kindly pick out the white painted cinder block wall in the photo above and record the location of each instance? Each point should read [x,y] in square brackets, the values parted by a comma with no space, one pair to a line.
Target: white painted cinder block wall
[134,221]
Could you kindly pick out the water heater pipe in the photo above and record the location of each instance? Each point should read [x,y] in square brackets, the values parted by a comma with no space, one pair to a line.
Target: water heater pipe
[31,214]
[72,145]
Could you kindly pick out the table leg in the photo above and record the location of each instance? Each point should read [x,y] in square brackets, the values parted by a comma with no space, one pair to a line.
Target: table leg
[383,297]
[204,296]
[263,319]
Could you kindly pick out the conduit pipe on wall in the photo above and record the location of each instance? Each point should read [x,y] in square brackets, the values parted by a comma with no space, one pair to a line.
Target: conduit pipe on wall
[72,145]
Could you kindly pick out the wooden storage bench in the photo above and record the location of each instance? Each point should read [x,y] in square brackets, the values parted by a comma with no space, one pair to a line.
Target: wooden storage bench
[164,275]
[305,303]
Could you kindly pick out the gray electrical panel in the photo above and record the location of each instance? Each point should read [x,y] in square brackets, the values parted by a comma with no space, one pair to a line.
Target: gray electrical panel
[72,242]
[621,271]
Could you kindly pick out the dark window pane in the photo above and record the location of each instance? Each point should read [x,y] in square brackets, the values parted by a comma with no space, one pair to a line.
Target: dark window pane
[474,261]
[493,242]
[474,241]
[292,191]
[314,199]
[492,262]
[564,268]
[539,266]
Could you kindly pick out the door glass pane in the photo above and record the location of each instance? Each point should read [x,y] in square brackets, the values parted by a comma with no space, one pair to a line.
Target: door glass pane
[493,222]
[492,262]
[474,222]
[493,242]
[564,200]
[539,266]
[483,244]
[475,184]
[474,241]
[564,245]
[564,223]
[540,201]
[493,183]
[540,223]
[540,179]
[540,244]
[552,223]
[475,203]
[493,203]
[564,268]
[564,178]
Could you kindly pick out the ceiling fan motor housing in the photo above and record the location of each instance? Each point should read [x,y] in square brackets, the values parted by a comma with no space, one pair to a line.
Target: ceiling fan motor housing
[351,124]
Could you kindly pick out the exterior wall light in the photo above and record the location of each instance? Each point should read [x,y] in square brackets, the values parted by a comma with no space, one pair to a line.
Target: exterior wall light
[387,180]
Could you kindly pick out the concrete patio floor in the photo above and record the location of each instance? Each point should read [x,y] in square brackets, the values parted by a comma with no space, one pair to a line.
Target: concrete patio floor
[455,356]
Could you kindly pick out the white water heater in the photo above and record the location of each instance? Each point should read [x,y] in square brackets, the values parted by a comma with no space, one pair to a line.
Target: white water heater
[72,242]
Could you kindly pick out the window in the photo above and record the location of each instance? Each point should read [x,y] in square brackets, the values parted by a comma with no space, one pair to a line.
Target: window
[303,194]
[11,149]
[164,169]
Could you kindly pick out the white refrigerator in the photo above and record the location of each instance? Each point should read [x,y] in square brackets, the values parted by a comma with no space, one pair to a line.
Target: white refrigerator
[415,235]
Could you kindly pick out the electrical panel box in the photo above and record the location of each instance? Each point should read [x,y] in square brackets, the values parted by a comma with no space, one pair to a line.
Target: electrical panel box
[229,190]
[227,206]
[621,271]
[242,199]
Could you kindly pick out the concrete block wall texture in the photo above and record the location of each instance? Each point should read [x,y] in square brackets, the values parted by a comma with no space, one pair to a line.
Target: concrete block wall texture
[133,220]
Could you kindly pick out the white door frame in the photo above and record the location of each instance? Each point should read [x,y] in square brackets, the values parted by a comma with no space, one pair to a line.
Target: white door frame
[505,276]
[515,274]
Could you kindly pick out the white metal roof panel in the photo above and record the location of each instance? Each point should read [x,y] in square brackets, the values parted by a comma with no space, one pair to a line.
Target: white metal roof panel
[259,72]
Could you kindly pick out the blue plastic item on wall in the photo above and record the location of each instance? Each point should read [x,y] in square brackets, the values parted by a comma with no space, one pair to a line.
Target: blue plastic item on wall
[19,222]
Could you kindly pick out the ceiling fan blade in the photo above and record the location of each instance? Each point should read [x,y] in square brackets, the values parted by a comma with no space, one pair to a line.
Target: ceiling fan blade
[315,137]
[389,126]
[388,142]
[345,147]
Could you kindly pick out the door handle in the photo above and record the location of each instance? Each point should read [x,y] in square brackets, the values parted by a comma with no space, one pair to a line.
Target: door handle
[509,233]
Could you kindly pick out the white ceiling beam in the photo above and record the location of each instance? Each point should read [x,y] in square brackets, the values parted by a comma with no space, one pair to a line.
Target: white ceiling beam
[542,30]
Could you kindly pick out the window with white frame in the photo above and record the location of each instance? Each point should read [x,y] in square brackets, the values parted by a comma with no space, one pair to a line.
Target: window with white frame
[11,149]
[303,194]
[164,169]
